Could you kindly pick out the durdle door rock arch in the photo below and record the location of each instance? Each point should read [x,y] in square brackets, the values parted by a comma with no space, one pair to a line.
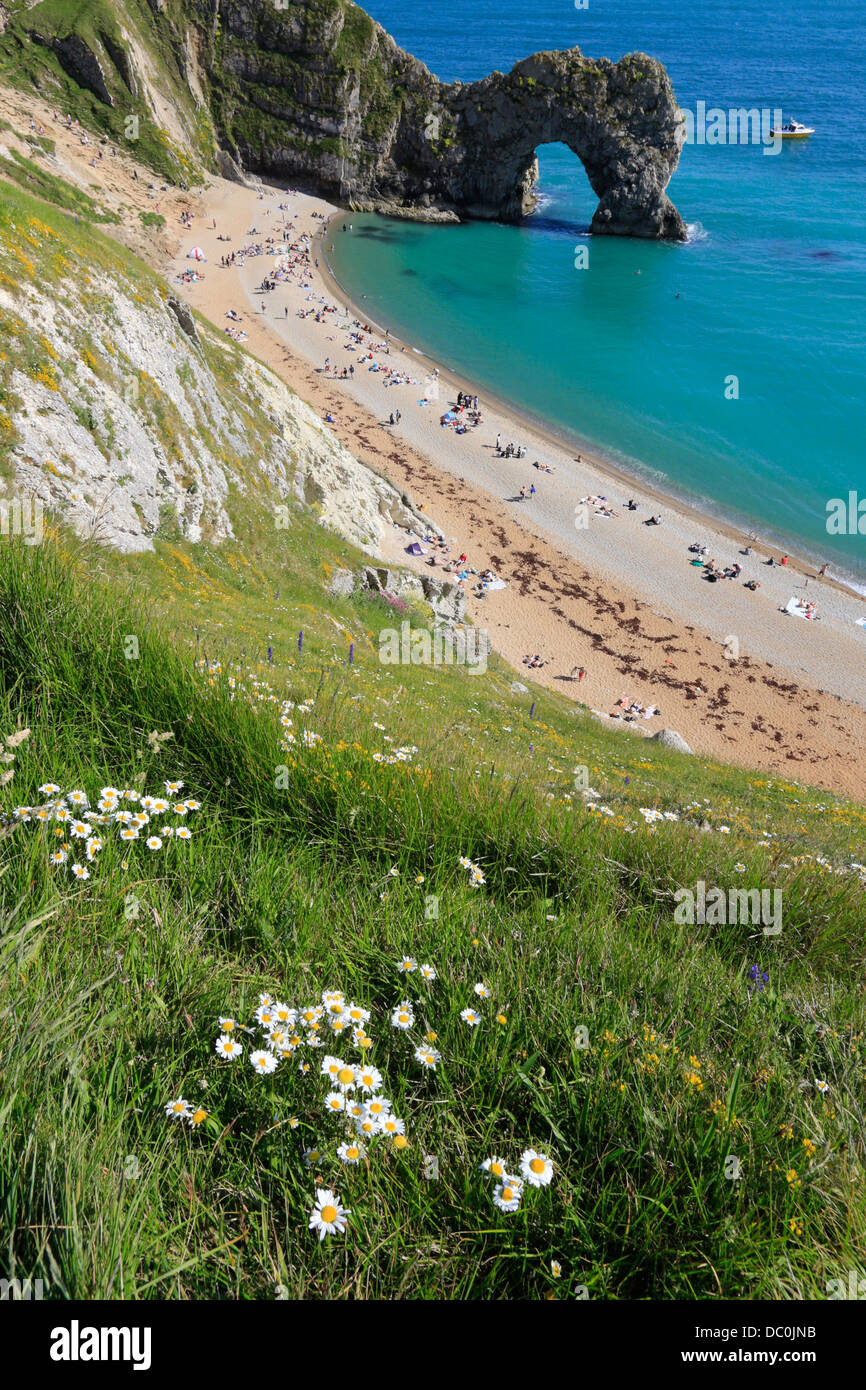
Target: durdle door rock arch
[318,93]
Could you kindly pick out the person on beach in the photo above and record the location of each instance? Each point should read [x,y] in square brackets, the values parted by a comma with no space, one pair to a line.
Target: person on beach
[822,571]
[532,490]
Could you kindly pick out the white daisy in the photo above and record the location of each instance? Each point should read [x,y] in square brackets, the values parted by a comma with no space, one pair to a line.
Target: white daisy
[327,1216]
[507,1194]
[403,1017]
[496,1167]
[378,1107]
[536,1168]
[351,1153]
[228,1047]
[345,1078]
[263,1062]
[368,1079]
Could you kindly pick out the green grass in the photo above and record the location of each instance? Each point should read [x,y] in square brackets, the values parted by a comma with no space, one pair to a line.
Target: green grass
[152,219]
[54,190]
[112,990]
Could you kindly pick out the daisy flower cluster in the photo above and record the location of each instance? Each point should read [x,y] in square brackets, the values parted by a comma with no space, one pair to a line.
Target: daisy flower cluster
[404,754]
[536,1170]
[186,1113]
[354,1098]
[80,830]
[650,815]
[471,1015]
[403,1016]
[308,738]
[476,874]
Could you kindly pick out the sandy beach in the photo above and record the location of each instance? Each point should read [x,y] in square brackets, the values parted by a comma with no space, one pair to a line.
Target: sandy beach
[606,593]
[610,594]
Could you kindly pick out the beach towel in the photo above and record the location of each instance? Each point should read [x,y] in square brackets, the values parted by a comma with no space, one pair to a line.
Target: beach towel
[795,608]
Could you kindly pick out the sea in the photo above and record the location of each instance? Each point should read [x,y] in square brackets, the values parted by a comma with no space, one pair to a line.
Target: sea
[731,370]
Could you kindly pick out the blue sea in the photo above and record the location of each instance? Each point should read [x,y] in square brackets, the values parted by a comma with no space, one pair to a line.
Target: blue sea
[771,284]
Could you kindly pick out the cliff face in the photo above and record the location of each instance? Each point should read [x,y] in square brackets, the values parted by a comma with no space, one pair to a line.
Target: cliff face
[315,92]
[319,92]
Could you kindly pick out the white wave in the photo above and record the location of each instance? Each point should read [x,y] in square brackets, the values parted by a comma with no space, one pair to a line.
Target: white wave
[695,232]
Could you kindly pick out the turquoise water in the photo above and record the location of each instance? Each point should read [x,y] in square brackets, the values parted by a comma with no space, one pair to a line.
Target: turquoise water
[771,284]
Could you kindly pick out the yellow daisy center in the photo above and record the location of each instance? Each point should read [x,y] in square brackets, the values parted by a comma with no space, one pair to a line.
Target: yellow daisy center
[329,1215]
[536,1165]
[345,1075]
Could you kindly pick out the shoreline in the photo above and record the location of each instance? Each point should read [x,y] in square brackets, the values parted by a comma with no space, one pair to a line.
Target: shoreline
[564,439]
[614,597]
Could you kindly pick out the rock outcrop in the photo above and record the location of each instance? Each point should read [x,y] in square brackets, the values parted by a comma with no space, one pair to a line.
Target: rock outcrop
[315,93]
[446,601]
[669,738]
[320,93]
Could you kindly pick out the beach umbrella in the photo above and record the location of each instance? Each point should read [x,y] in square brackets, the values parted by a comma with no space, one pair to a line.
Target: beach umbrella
[196,254]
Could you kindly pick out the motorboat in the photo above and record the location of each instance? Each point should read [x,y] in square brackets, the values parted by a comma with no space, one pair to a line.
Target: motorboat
[793,130]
